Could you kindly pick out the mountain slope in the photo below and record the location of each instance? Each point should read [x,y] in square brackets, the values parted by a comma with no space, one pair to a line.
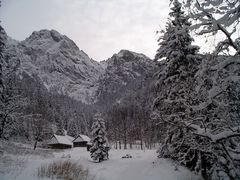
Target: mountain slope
[55,61]
[58,63]
[125,72]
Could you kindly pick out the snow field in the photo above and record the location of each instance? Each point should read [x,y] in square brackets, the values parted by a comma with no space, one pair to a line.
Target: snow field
[144,165]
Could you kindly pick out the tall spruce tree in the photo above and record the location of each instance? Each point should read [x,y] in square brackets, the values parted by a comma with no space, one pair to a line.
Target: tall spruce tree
[99,149]
[11,100]
[2,44]
[175,44]
[197,104]
[172,107]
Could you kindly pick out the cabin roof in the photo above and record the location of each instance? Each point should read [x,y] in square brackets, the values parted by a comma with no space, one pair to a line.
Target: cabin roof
[56,139]
[81,138]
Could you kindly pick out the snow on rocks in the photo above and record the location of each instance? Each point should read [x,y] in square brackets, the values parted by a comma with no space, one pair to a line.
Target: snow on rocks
[57,62]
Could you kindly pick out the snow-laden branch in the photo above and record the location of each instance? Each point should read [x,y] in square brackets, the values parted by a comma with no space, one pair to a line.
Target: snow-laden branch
[221,24]
[204,132]
[225,63]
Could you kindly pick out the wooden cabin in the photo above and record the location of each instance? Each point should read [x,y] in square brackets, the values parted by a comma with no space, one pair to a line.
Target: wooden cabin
[60,142]
[81,141]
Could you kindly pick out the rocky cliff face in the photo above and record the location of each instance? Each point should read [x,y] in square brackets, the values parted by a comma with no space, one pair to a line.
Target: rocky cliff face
[125,71]
[56,62]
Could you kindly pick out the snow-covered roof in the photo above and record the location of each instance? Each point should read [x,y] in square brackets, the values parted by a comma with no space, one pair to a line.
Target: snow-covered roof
[70,138]
[82,138]
[61,140]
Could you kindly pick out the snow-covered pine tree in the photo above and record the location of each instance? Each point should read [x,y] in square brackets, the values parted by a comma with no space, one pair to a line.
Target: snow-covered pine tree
[60,127]
[72,128]
[217,113]
[60,132]
[175,43]
[216,117]
[2,43]
[10,98]
[199,111]
[172,107]
[99,149]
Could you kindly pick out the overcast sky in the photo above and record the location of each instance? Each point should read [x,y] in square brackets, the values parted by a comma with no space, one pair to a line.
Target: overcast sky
[99,27]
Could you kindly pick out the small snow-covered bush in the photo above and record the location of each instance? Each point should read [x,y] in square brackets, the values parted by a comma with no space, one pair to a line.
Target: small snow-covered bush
[65,170]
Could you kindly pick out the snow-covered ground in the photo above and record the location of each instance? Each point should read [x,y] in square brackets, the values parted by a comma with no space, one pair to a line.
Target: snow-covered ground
[144,165]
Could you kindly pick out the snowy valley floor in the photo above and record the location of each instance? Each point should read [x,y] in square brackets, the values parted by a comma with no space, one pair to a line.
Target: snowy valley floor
[144,165]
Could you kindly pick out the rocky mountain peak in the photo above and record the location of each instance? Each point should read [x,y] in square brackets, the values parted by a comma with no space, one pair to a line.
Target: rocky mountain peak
[126,55]
[50,39]
[124,71]
[46,34]
[126,59]
[55,61]
[130,55]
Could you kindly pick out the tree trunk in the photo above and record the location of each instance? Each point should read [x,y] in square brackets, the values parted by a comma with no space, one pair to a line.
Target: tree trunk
[35,145]
[141,144]
[141,137]
[125,136]
[130,144]
[2,126]
[125,142]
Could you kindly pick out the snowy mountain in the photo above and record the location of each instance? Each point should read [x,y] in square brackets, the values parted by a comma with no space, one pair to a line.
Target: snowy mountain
[55,61]
[125,71]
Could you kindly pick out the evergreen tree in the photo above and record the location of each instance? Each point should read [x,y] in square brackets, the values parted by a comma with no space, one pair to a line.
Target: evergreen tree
[10,95]
[197,104]
[215,118]
[60,131]
[99,149]
[175,43]
[2,44]
[172,107]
